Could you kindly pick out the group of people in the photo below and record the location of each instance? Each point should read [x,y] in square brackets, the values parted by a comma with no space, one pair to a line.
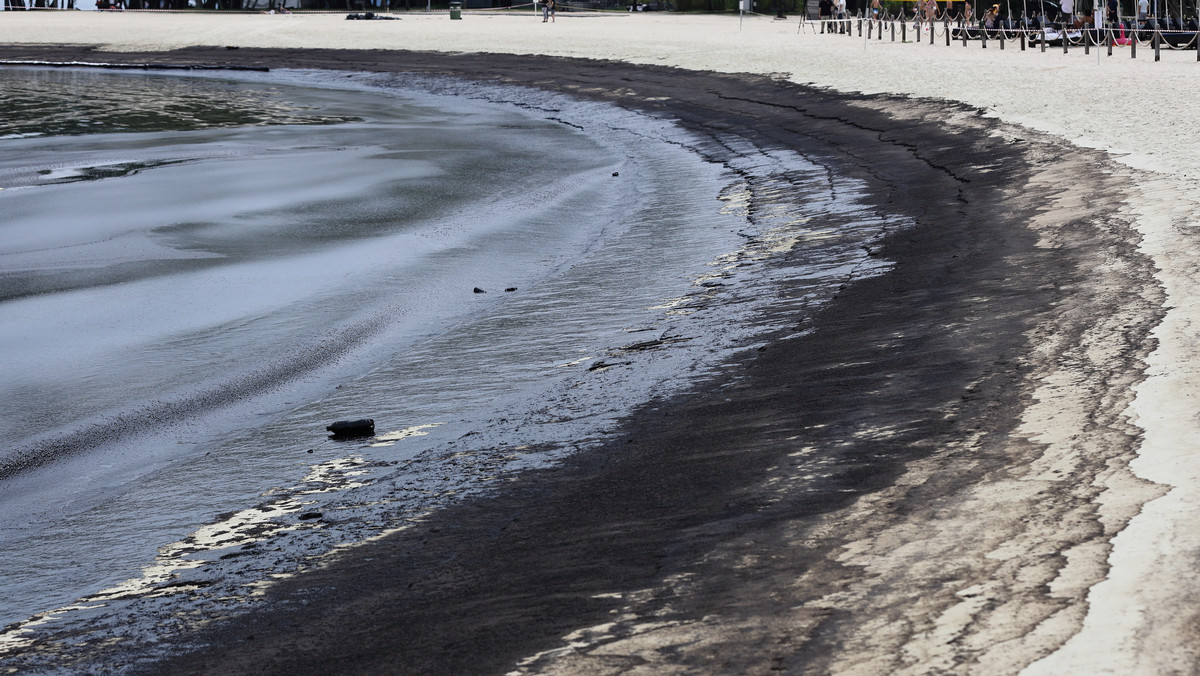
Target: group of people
[547,10]
[831,9]
[1043,14]
[923,10]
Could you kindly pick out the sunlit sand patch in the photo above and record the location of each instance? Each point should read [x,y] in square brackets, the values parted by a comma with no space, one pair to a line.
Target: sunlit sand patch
[628,633]
[672,303]
[262,586]
[390,438]
[259,588]
[18,636]
[737,199]
[577,362]
[242,529]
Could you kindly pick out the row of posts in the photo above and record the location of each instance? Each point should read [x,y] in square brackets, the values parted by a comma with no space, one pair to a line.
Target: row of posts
[1156,41]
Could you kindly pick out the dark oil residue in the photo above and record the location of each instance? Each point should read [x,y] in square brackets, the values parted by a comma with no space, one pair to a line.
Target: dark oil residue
[58,102]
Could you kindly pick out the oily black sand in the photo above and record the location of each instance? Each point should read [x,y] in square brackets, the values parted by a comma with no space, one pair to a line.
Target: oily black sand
[862,497]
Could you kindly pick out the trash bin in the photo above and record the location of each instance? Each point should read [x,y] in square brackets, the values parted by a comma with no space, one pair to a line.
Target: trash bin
[456,10]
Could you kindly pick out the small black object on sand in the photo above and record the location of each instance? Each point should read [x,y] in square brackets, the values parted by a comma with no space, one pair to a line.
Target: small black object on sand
[353,428]
[479,290]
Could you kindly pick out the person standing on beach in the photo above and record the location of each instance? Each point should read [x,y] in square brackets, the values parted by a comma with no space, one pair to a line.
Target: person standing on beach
[824,12]
[991,17]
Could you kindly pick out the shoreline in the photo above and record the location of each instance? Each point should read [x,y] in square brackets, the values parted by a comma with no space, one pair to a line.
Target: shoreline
[666,516]
[1042,387]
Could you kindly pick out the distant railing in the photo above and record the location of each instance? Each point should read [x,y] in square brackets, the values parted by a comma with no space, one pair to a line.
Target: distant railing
[1154,32]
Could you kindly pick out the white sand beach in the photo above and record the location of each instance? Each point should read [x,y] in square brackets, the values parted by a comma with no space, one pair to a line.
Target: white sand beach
[1143,113]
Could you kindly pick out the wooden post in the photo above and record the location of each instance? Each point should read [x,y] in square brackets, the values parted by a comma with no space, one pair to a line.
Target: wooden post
[1157,40]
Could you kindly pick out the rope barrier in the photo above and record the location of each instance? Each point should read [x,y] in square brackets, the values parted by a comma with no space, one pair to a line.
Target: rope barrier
[506,9]
[1118,35]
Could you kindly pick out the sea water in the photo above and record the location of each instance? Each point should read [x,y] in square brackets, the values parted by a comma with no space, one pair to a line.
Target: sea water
[198,274]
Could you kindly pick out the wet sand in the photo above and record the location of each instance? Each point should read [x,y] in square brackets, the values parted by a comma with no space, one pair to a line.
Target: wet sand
[959,468]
